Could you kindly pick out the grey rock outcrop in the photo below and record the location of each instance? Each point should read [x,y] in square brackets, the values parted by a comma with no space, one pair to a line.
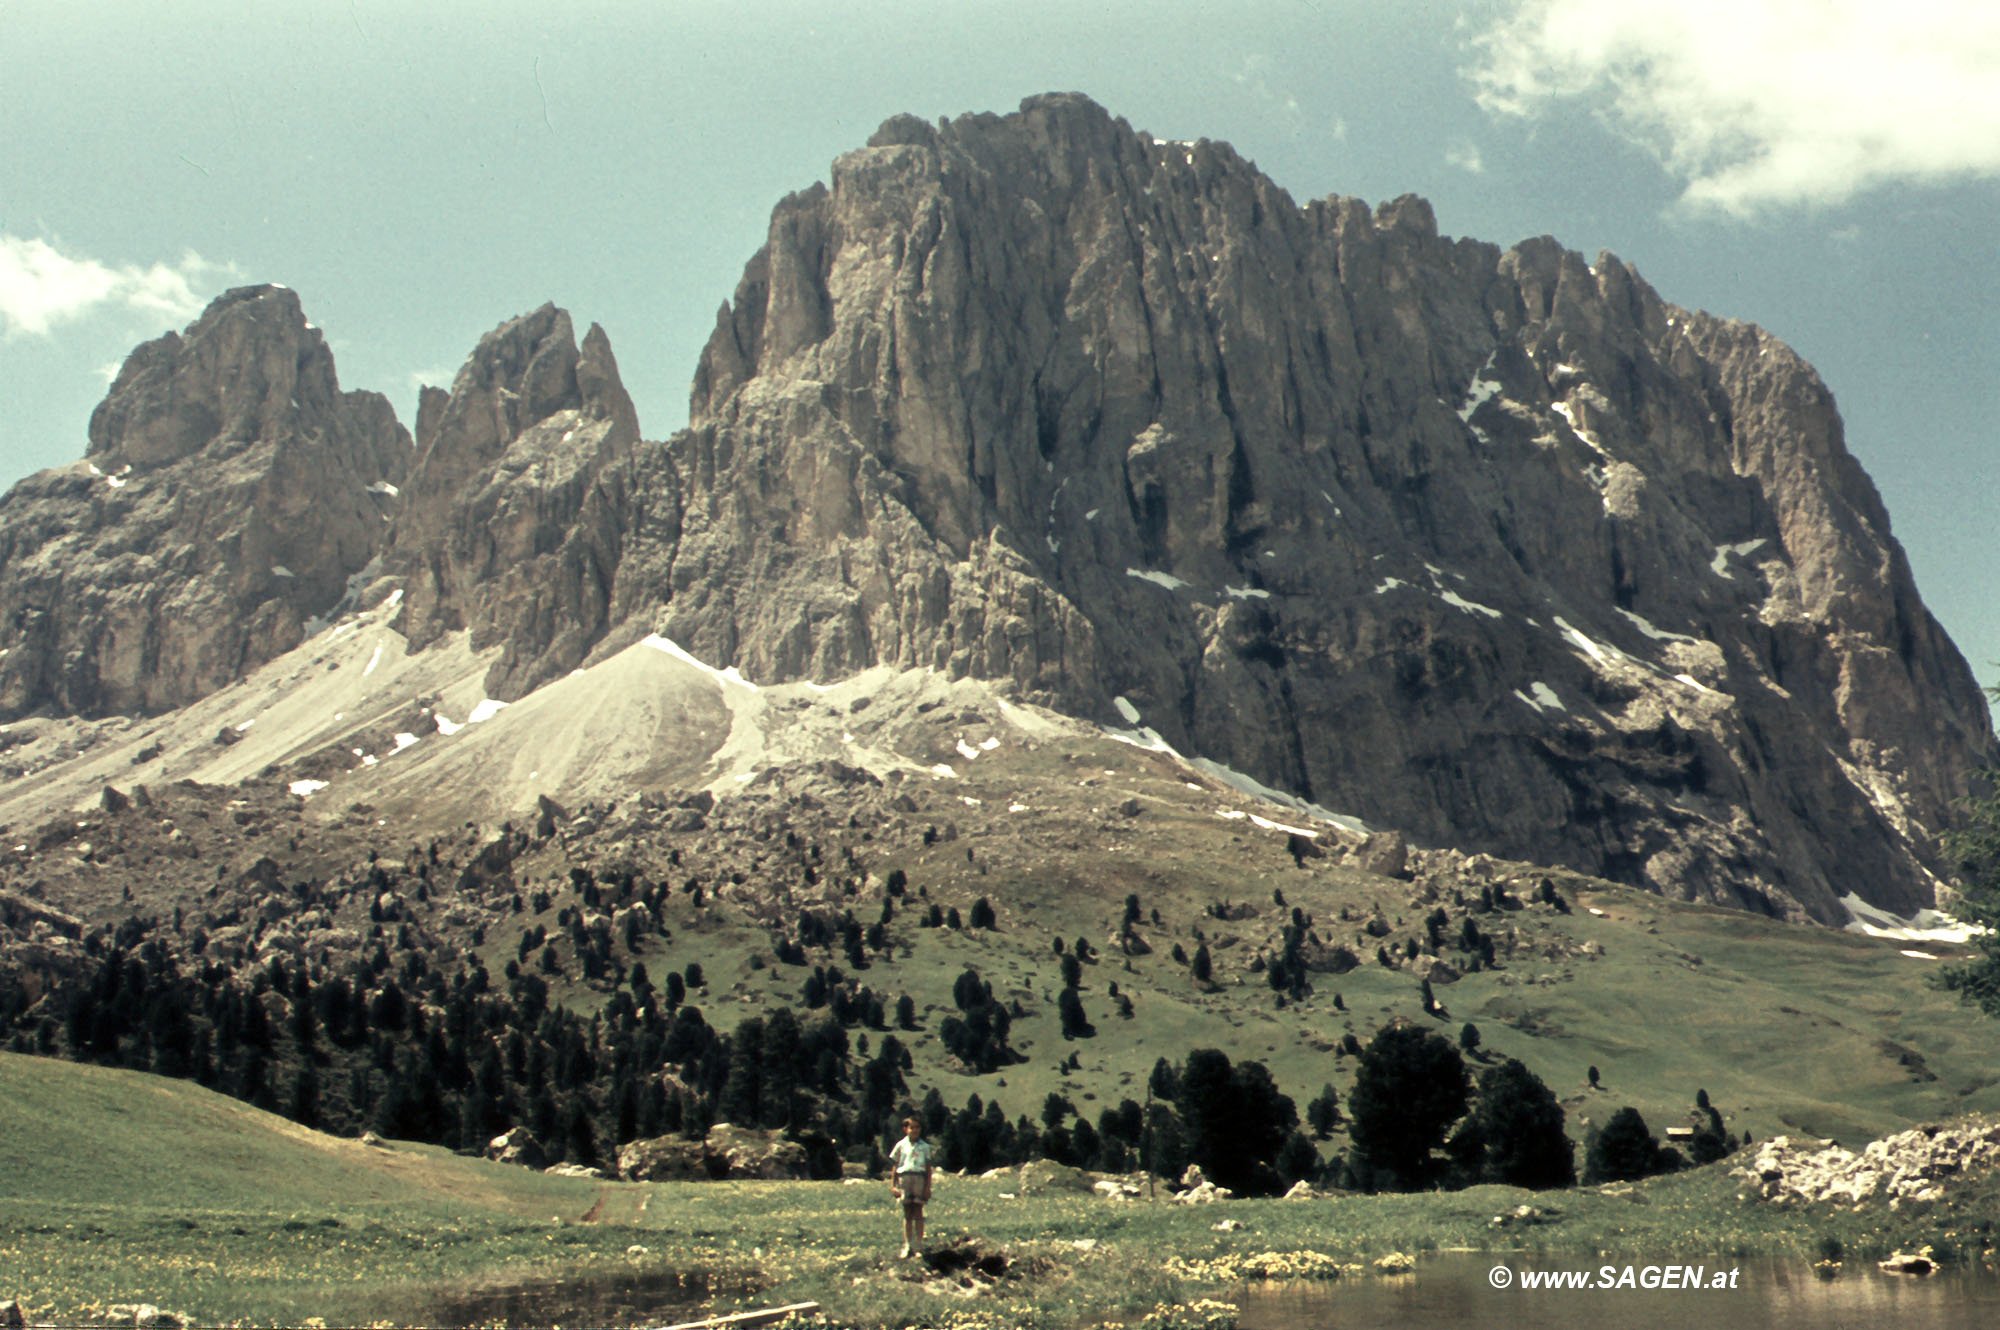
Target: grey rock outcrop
[1491,549]
[517,1145]
[520,499]
[1039,1177]
[1920,1164]
[230,491]
[725,1152]
[1494,547]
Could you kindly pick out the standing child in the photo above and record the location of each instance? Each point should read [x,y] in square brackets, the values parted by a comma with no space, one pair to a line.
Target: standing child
[910,1173]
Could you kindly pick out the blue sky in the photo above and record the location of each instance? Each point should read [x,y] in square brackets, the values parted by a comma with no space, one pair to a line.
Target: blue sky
[1829,169]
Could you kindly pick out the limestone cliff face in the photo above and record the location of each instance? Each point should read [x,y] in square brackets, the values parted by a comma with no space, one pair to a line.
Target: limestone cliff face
[518,505]
[1497,547]
[230,491]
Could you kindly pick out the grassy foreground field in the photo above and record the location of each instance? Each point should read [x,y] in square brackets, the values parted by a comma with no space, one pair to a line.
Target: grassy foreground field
[123,1188]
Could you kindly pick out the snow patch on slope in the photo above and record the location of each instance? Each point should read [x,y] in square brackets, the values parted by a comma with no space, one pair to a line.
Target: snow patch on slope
[1923,926]
[1719,565]
[729,676]
[1145,737]
[1541,697]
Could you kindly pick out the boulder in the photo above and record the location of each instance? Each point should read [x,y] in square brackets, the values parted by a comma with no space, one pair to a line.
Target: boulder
[1919,1262]
[1196,1189]
[1436,969]
[1328,958]
[517,1145]
[749,1153]
[663,1159]
[726,1152]
[548,816]
[1521,1216]
[1040,1177]
[1385,854]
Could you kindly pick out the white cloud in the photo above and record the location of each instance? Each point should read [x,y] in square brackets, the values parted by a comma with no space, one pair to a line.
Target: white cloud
[436,377]
[1465,156]
[1254,77]
[1755,104]
[40,286]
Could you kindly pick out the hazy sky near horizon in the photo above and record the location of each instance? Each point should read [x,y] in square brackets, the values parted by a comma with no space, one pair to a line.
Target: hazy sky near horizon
[419,173]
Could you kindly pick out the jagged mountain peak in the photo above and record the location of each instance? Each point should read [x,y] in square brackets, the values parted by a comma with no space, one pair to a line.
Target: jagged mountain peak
[1497,546]
[506,530]
[245,369]
[230,491]
[528,369]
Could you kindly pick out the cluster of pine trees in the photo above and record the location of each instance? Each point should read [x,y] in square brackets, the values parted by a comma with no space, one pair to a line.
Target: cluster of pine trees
[1420,1121]
[404,1049]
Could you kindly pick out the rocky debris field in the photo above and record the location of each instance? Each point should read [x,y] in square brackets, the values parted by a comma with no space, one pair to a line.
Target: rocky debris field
[1921,1164]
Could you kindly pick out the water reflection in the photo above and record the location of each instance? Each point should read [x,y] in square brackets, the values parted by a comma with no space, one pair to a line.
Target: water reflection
[593,1300]
[1455,1291]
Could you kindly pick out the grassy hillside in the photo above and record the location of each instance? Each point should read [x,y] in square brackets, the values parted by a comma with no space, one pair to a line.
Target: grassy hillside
[1791,1028]
[94,1136]
[123,1187]
[135,1189]
[118,1187]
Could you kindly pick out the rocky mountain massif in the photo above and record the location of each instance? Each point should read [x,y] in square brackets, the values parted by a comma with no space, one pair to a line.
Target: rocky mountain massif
[230,491]
[1494,547]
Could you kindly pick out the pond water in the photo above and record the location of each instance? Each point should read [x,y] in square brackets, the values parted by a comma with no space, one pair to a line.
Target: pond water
[599,1300]
[1459,1290]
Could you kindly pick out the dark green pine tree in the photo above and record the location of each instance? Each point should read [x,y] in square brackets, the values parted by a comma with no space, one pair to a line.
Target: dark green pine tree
[1973,845]
[742,1091]
[1075,1024]
[780,1052]
[1520,1127]
[1235,1120]
[303,1105]
[1624,1150]
[1323,1112]
[1410,1087]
